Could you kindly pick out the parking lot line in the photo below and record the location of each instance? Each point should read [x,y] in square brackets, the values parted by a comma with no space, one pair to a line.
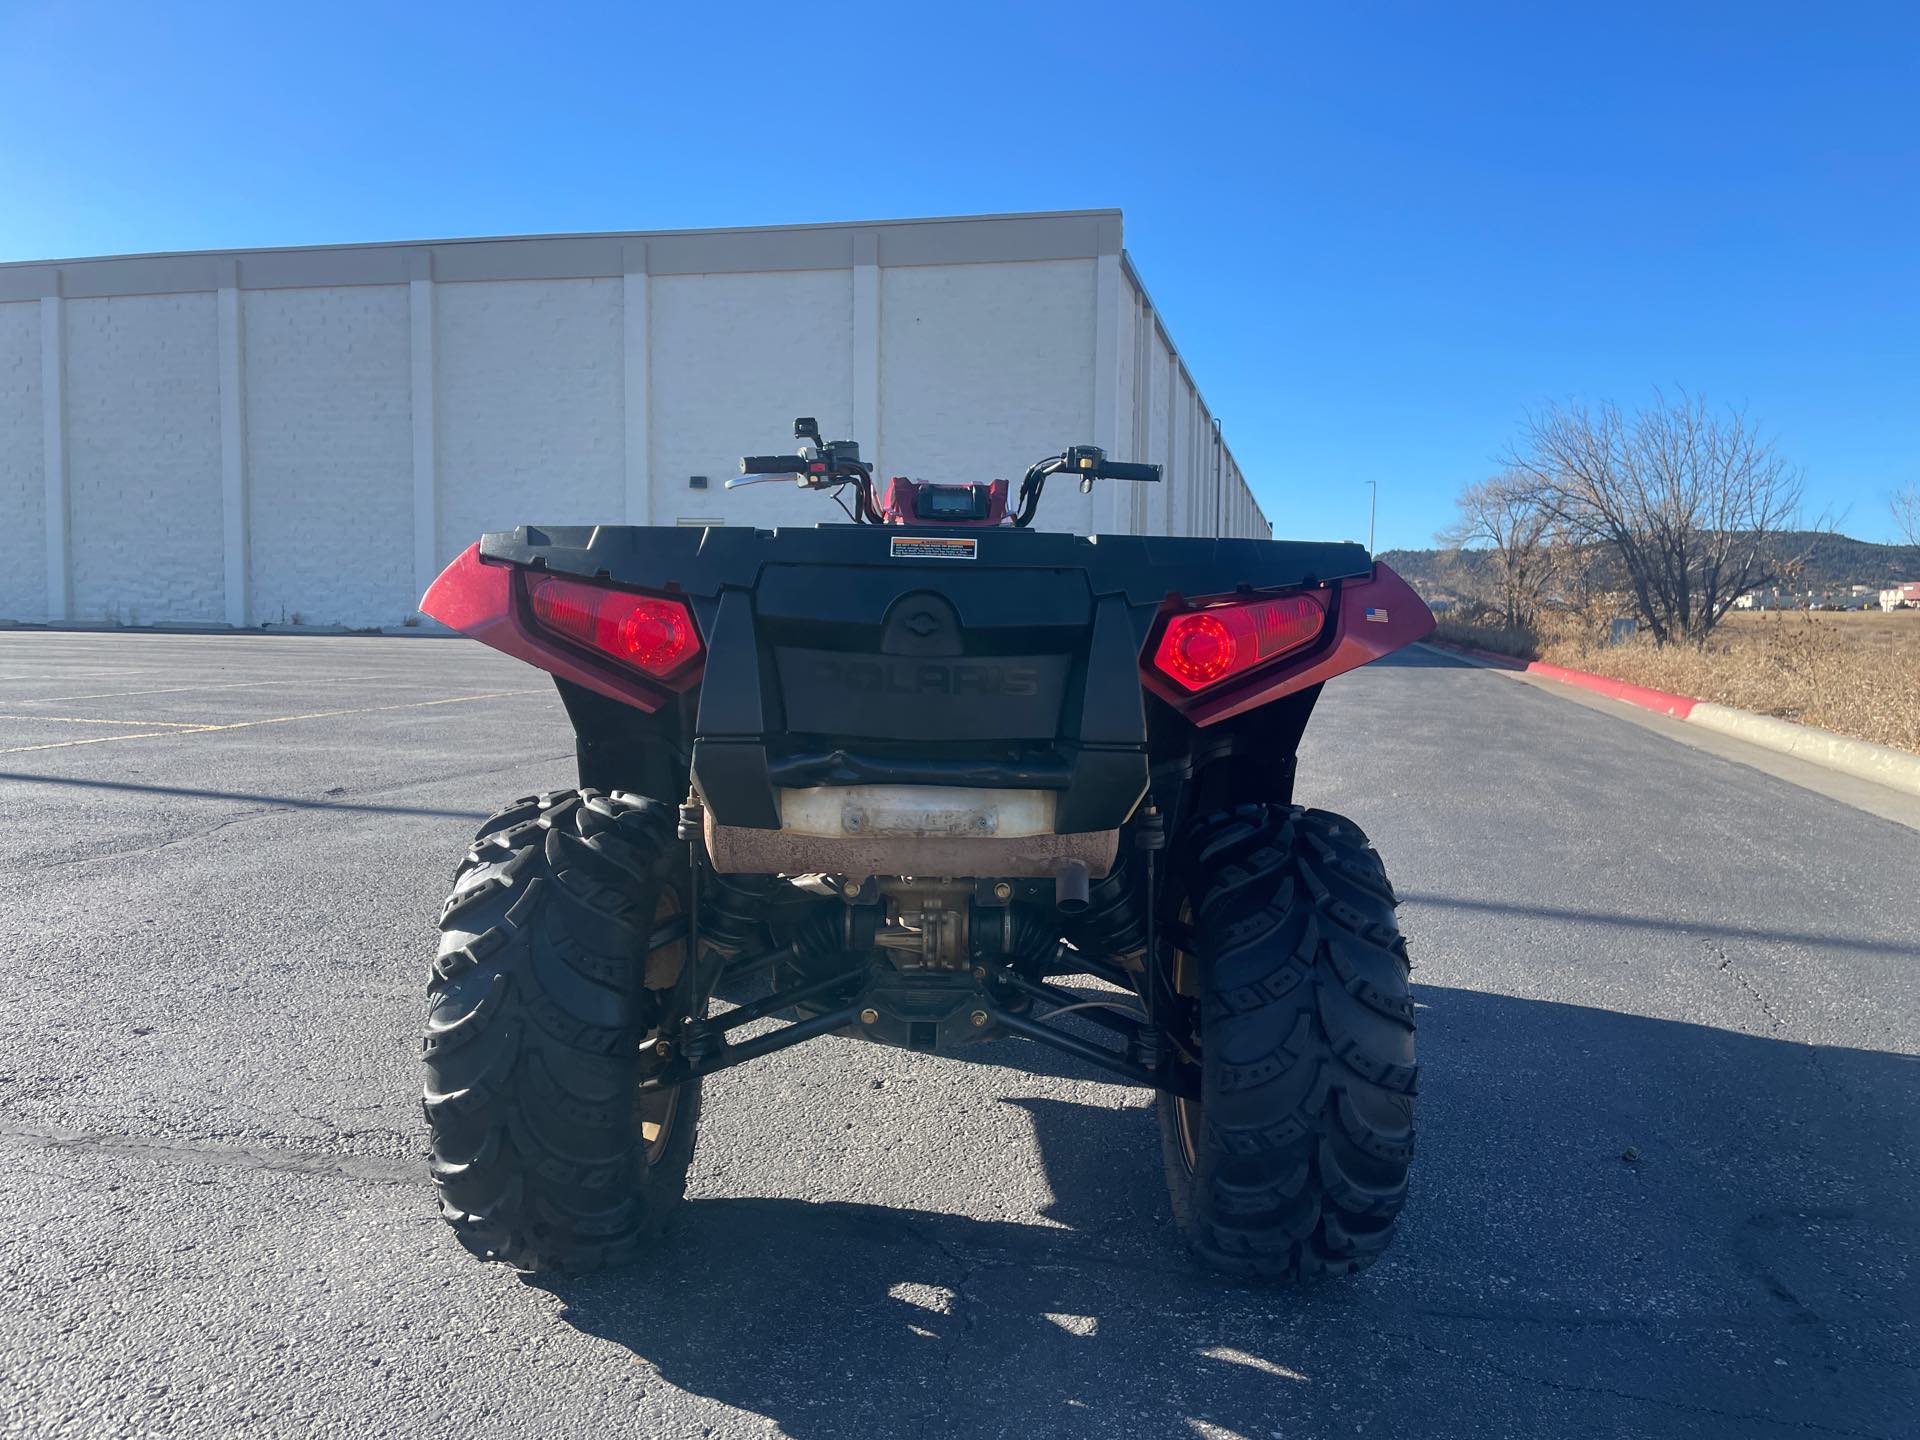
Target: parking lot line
[11,676]
[95,720]
[172,690]
[97,740]
[200,729]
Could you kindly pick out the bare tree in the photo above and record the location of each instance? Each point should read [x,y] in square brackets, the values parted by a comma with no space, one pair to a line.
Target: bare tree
[1906,512]
[1692,504]
[1509,519]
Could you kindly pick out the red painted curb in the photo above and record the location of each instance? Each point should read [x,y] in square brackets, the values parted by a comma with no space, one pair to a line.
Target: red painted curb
[1678,706]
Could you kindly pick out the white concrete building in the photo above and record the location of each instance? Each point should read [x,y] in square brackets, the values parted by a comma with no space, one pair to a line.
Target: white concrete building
[308,435]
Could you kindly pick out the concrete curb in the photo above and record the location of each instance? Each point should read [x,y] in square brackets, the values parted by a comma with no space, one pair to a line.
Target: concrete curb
[1862,759]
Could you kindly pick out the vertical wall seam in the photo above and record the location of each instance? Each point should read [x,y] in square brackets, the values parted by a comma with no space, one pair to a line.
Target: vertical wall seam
[53,454]
[426,508]
[1142,411]
[235,537]
[636,341]
[1169,450]
[1189,496]
[866,351]
[1107,299]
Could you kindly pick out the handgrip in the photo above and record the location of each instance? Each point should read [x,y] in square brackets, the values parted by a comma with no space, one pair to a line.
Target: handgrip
[773,465]
[1127,470]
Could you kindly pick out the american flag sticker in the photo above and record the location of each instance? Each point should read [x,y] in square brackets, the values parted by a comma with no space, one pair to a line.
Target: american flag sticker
[1377,615]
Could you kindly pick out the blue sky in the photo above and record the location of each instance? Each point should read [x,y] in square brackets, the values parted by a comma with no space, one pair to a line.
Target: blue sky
[1380,233]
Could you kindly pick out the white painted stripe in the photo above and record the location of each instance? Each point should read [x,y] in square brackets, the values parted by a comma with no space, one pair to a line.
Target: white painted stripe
[278,720]
[123,724]
[169,690]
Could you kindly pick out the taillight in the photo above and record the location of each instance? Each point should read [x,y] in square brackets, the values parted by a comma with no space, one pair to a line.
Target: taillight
[653,635]
[1200,648]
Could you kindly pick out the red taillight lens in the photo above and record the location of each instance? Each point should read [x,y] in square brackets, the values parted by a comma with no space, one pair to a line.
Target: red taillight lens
[1200,648]
[655,636]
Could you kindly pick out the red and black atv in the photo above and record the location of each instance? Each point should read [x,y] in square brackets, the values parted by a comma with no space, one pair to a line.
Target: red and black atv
[907,776]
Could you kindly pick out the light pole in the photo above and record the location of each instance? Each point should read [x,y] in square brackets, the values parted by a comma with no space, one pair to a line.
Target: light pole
[1373,509]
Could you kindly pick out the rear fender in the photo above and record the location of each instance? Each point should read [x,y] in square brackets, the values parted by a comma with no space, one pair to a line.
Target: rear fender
[483,599]
[1371,618]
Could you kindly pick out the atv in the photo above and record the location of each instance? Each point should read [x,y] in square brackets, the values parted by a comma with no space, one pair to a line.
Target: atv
[929,778]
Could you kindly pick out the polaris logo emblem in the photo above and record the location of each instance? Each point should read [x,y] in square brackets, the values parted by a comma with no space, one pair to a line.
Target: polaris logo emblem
[927,677]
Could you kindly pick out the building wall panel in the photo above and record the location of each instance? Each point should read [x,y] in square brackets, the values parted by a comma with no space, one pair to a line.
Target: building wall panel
[1126,497]
[143,458]
[734,358]
[985,369]
[460,386]
[1159,502]
[328,455]
[528,405]
[23,579]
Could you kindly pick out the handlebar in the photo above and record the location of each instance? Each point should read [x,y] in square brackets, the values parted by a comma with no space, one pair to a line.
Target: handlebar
[773,465]
[836,465]
[829,467]
[1086,462]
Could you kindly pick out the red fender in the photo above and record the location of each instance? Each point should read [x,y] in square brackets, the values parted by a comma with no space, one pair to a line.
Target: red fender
[1375,617]
[481,598]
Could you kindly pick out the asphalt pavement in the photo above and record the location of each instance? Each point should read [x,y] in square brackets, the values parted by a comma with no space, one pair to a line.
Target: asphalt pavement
[1668,1179]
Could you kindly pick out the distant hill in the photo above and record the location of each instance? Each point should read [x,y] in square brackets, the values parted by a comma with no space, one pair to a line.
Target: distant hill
[1842,560]
[1831,560]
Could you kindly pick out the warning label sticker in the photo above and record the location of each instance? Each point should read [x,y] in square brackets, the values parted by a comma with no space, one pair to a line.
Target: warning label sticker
[909,547]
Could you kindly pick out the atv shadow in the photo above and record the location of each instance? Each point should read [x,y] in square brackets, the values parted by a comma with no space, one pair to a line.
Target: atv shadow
[1620,1225]
[838,1320]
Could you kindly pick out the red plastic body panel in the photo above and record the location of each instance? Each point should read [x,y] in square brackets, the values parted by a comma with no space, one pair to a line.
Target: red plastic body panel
[482,600]
[1400,617]
[902,506]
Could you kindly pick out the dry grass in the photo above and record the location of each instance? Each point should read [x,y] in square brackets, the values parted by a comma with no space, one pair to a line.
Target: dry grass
[1855,673]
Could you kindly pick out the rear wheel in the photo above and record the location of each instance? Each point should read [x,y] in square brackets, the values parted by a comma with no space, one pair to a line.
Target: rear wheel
[556,949]
[1293,1161]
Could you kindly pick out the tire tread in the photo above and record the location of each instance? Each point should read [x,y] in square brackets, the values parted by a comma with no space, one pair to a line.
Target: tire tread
[1307,1021]
[536,1015]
